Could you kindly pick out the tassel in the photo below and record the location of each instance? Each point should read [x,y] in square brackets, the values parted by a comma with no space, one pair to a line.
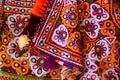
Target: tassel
[50,63]
[37,13]
[39,7]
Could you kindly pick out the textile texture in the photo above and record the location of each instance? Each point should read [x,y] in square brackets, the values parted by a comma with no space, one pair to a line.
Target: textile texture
[74,40]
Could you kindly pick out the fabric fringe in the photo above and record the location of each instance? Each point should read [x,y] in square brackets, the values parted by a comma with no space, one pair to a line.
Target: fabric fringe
[9,76]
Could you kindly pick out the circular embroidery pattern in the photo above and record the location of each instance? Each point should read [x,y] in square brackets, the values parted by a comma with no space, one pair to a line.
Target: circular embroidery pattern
[90,75]
[83,10]
[69,16]
[74,41]
[110,74]
[21,66]
[55,73]
[115,48]
[5,60]
[3,48]
[108,28]
[6,37]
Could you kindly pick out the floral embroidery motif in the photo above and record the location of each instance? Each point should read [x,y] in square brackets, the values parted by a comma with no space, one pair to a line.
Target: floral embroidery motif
[37,65]
[91,27]
[17,23]
[108,28]
[21,66]
[98,12]
[74,41]
[60,35]
[83,10]
[6,37]
[110,74]
[5,60]
[100,50]
[70,16]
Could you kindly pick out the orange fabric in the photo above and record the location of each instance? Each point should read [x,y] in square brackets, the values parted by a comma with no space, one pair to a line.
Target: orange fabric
[39,7]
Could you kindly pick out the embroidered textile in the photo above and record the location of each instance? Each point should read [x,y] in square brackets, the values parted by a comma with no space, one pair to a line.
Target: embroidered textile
[75,40]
